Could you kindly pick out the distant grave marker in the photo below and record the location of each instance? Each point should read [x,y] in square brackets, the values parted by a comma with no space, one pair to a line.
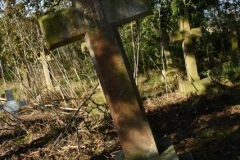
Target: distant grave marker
[12,106]
[186,34]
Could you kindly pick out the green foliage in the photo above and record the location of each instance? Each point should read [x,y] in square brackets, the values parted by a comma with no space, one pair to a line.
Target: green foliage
[177,7]
[148,41]
[231,71]
[21,40]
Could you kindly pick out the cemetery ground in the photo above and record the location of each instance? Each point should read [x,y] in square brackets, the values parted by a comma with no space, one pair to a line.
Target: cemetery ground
[208,126]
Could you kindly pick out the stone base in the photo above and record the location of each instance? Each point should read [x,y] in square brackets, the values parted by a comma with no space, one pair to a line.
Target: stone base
[186,156]
[166,152]
[168,73]
[196,87]
[166,149]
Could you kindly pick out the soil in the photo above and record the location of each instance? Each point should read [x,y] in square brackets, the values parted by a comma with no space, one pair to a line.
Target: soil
[208,126]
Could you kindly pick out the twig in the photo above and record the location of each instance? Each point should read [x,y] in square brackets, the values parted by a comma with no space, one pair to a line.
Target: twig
[3,99]
[160,72]
[5,129]
[73,116]
[78,142]
[68,109]
[1,119]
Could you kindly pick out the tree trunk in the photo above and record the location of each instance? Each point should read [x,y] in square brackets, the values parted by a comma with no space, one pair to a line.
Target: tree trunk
[46,71]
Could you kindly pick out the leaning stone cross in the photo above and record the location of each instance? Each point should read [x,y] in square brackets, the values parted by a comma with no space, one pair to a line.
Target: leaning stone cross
[96,21]
[12,106]
[186,34]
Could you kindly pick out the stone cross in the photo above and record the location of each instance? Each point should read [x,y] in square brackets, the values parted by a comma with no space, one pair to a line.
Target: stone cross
[186,34]
[97,21]
[12,106]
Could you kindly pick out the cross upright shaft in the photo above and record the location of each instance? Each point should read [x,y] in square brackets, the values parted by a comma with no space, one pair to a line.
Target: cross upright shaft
[97,21]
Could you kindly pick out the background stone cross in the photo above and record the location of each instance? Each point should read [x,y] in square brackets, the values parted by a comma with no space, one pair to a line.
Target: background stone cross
[96,21]
[186,34]
[12,106]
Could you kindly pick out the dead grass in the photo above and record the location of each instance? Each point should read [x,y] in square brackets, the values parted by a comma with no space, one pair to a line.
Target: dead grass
[207,126]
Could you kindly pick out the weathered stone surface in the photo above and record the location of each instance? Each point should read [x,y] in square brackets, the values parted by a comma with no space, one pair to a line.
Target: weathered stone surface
[62,27]
[196,32]
[121,93]
[98,20]
[124,11]
[197,87]
[69,25]
[97,105]
[190,60]
[166,151]
[99,98]
[186,34]
[12,106]
[184,25]
[9,95]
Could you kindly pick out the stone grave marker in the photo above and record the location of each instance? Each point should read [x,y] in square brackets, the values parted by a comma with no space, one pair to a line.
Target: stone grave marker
[97,22]
[186,35]
[12,106]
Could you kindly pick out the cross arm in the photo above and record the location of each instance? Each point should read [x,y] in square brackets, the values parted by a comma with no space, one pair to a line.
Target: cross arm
[196,32]
[10,98]
[69,25]
[24,103]
[21,103]
[125,11]
[179,36]
[62,27]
